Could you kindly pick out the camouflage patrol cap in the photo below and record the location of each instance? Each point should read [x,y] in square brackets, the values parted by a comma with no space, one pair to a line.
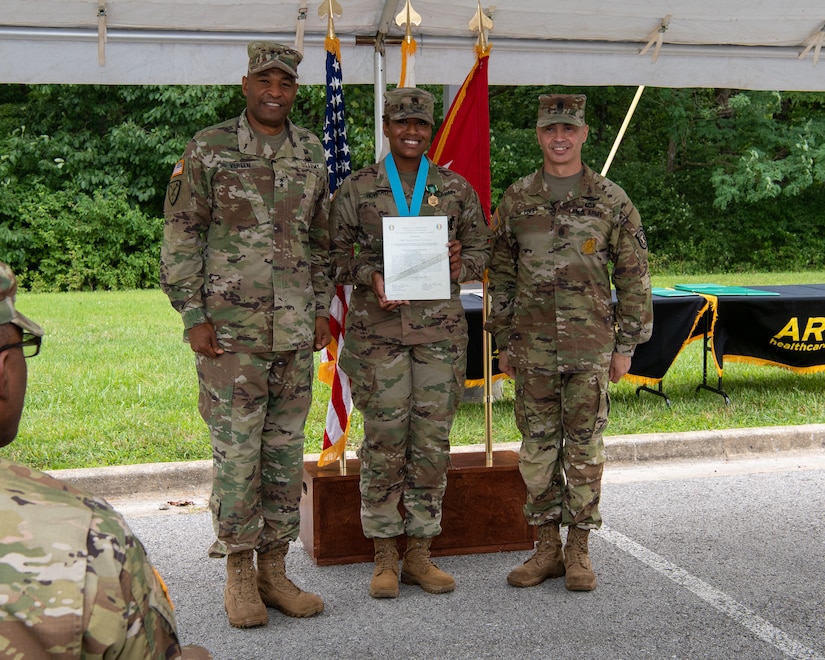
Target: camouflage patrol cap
[409,102]
[561,109]
[265,55]
[8,314]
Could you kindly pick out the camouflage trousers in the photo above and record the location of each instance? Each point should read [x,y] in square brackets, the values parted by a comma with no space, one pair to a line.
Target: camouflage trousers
[256,405]
[407,396]
[561,418]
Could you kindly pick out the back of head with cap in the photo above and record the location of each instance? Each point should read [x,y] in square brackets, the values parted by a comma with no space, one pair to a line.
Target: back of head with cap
[8,313]
[409,103]
[265,55]
[561,109]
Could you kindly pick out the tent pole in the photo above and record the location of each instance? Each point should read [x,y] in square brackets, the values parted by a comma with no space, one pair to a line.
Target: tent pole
[379,86]
[385,22]
[622,130]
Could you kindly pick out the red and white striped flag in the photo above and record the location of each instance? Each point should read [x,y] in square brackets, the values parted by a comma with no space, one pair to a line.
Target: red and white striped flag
[339,166]
[339,408]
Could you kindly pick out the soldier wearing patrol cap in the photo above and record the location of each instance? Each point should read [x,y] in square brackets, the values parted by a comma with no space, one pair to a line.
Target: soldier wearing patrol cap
[74,581]
[558,231]
[244,261]
[406,359]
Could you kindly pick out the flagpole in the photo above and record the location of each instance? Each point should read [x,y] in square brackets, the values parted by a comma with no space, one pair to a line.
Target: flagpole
[486,348]
[408,17]
[482,24]
[338,163]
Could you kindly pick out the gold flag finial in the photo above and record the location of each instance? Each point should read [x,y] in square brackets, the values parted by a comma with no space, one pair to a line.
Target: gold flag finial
[330,9]
[408,17]
[482,24]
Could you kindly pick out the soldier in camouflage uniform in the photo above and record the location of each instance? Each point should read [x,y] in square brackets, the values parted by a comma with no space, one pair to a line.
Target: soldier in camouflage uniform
[558,231]
[245,261]
[74,581]
[406,359]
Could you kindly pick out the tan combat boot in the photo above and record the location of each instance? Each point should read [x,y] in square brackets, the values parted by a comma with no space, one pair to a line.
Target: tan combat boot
[384,582]
[418,568]
[278,591]
[580,575]
[241,600]
[546,562]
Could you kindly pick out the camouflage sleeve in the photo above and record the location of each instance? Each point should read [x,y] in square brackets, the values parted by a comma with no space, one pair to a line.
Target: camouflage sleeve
[631,278]
[187,218]
[66,548]
[319,237]
[502,275]
[474,235]
[347,265]
[127,594]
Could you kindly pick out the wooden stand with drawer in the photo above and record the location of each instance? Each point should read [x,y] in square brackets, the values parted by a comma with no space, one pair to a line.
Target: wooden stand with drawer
[482,510]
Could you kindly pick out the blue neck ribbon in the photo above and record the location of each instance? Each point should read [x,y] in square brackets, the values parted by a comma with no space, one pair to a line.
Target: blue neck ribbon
[398,190]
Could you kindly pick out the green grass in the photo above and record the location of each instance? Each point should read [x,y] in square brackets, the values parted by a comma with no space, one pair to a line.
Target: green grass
[115,384]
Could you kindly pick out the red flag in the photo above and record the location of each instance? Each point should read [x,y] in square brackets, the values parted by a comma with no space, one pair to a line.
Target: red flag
[463,142]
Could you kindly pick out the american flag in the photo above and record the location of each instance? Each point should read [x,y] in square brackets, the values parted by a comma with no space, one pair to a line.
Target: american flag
[339,166]
[336,148]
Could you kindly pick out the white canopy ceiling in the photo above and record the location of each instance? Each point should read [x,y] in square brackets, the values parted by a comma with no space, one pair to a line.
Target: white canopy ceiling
[744,44]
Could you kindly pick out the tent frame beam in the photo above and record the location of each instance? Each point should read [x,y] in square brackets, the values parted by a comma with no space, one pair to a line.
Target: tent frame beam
[115,35]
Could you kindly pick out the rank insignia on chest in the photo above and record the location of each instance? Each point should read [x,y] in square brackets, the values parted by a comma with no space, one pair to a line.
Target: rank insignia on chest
[589,246]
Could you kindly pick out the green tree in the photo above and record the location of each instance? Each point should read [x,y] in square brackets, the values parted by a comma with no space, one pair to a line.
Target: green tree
[724,179]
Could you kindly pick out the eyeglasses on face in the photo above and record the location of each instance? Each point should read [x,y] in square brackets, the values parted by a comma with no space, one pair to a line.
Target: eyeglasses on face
[30,345]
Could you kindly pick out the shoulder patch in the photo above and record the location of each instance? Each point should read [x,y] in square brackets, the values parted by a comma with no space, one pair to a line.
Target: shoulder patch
[178,169]
[640,236]
[173,192]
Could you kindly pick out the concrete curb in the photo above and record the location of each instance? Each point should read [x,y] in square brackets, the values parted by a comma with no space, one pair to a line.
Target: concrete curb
[158,479]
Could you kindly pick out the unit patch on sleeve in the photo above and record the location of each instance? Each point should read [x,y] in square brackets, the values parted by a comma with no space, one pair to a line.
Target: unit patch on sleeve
[640,236]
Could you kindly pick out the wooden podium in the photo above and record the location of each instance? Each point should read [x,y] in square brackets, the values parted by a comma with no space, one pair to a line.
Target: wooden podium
[482,510]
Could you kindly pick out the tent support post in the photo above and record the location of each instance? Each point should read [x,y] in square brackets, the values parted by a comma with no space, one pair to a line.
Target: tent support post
[378,91]
[622,130]
[385,22]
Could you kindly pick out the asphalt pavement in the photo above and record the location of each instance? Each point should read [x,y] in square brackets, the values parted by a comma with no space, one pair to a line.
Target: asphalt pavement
[713,547]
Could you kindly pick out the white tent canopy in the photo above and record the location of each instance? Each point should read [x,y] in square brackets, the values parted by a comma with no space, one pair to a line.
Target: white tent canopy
[743,44]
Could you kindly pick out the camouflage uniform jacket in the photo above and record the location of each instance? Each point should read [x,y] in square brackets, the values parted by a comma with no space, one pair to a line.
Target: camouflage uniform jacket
[74,581]
[246,238]
[356,219]
[550,281]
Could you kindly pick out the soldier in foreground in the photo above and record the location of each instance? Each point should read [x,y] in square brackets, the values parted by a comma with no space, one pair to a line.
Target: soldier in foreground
[406,359]
[558,231]
[244,261]
[74,581]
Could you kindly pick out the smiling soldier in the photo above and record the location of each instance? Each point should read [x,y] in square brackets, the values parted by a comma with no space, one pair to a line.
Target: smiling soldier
[563,233]
[244,261]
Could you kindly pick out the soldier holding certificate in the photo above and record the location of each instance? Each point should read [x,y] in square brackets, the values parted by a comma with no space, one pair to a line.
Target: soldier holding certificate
[406,358]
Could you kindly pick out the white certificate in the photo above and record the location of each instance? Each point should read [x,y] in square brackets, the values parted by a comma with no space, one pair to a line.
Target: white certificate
[416,258]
